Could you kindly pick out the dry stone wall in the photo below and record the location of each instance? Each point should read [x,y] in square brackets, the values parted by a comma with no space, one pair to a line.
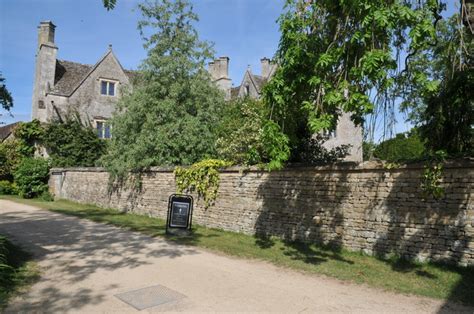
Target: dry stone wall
[365,208]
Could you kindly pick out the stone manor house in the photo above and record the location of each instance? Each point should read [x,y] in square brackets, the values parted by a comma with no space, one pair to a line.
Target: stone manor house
[64,87]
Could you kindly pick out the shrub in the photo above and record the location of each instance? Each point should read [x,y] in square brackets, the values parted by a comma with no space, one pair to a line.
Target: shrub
[8,188]
[240,132]
[10,157]
[28,134]
[71,144]
[31,177]
[403,147]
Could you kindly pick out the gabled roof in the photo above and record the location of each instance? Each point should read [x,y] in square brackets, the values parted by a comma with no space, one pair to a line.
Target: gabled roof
[70,75]
[6,130]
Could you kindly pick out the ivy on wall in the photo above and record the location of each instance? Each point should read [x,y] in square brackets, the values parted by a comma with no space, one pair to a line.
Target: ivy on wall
[201,177]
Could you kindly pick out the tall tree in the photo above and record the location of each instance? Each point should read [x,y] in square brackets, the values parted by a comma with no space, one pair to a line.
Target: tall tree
[340,56]
[170,116]
[6,100]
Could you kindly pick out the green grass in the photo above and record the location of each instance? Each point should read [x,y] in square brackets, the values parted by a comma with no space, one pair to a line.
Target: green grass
[425,279]
[17,270]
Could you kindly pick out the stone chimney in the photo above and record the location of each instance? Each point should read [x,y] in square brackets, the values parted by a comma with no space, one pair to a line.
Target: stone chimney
[46,33]
[265,67]
[44,72]
[219,70]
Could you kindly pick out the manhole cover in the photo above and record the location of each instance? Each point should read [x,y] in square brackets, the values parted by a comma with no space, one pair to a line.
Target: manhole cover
[149,297]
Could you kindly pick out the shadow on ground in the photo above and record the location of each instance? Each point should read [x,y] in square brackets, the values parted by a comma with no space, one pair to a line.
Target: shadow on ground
[78,249]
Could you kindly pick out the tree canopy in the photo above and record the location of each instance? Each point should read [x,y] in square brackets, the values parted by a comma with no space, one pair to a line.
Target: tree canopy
[170,115]
[341,56]
[6,99]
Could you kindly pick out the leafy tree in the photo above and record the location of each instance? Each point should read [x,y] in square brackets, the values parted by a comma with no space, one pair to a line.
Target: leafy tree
[402,148]
[71,144]
[453,51]
[171,116]
[109,4]
[6,100]
[240,132]
[449,116]
[332,55]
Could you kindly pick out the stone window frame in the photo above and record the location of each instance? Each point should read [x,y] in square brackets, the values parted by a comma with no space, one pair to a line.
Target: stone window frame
[108,81]
[104,122]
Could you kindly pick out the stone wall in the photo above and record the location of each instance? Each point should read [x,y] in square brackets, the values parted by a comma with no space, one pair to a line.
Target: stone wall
[366,207]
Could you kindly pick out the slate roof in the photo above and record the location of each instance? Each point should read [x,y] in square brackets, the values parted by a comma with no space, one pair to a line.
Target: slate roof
[234,92]
[69,74]
[259,81]
[6,130]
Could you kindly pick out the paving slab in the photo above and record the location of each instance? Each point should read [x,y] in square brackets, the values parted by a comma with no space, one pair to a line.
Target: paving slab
[87,266]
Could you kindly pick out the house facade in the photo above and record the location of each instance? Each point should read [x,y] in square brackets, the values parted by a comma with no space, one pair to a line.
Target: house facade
[63,88]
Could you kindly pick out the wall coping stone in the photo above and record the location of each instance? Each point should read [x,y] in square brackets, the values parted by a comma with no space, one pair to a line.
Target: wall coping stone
[367,166]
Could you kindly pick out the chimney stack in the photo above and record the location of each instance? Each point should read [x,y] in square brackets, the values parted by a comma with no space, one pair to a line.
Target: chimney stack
[219,68]
[265,67]
[46,33]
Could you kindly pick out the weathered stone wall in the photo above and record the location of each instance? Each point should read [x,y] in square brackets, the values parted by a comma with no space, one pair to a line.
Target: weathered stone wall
[366,207]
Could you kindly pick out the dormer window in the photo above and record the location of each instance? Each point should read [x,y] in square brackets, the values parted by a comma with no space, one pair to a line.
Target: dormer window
[107,88]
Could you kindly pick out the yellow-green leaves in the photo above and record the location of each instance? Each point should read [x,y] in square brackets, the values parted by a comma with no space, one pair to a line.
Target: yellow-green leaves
[201,177]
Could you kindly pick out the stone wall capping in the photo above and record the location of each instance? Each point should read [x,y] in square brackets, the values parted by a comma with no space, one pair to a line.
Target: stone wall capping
[373,165]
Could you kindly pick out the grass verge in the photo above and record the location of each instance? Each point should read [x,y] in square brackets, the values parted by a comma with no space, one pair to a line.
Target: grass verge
[426,279]
[17,270]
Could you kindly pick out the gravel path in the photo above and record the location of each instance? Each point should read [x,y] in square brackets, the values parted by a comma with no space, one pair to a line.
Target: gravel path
[86,264]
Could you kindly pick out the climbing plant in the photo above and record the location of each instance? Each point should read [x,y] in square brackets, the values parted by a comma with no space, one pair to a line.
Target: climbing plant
[201,177]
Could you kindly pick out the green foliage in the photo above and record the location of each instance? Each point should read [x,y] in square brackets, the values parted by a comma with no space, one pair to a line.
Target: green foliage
[315,153]
[109,4]
[28,134]
[71,144]
[240,132]
[172,114]
[452,51]
[368,150]
[15,271]
[449,116]
[402,148]
[202,177]
[333,54]
[6,100]
[431,183]
[10,157]
[31,177]
[276,144]
[8,188]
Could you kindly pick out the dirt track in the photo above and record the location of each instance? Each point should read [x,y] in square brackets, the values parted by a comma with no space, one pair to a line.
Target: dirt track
[85,264]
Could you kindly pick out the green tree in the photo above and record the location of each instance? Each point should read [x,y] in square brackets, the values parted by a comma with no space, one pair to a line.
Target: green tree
[453,51]
[449,116]
[71,144]
[332,55]
[240,132]
[171,116]
[402,148]
[6,99]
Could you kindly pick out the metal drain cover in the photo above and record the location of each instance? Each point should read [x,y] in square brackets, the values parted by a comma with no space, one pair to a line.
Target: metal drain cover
[148,297]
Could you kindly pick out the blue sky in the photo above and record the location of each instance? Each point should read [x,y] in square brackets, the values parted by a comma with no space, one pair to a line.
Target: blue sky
[244,30]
